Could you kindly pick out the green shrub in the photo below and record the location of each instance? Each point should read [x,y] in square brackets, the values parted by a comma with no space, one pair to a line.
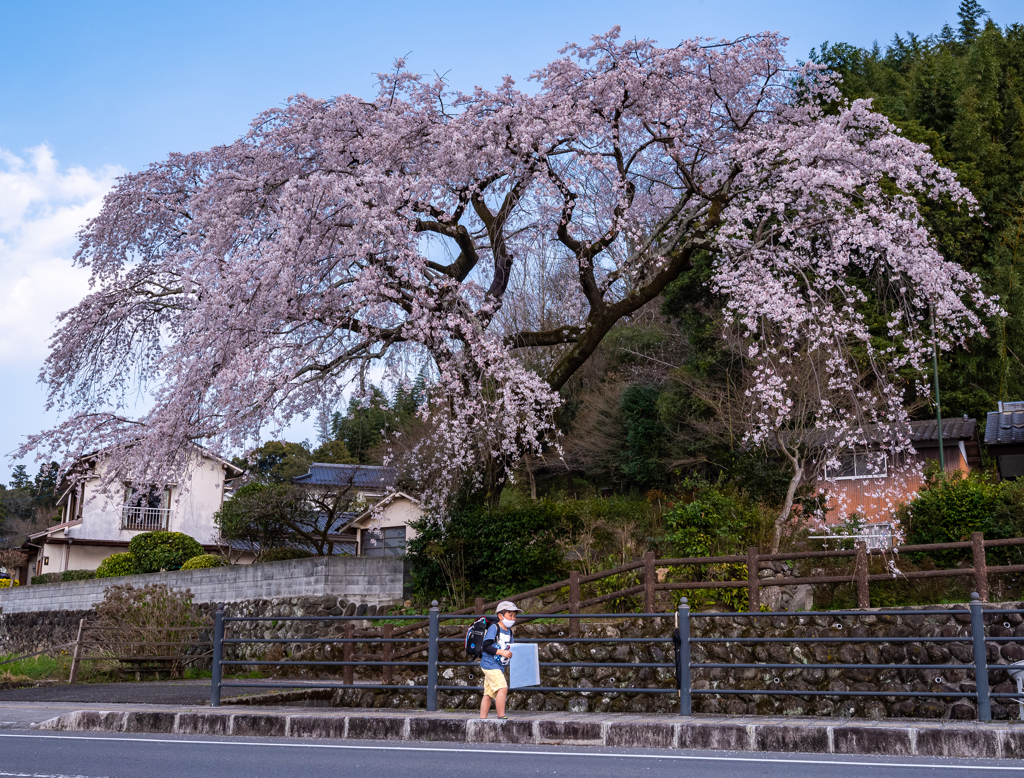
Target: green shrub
[281,554]
[77,575]
[950,507]
[156,551]
[117,564]
[45,578]
[204,561]
[717,522]
[492,551]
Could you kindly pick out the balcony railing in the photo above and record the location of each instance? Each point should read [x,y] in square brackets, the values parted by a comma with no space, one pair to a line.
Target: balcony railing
[136,517]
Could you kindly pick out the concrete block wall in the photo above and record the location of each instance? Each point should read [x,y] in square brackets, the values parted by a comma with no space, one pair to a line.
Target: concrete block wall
[370,580]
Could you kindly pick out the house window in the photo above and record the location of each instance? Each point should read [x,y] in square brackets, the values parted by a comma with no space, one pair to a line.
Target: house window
[388,541]
[858,465]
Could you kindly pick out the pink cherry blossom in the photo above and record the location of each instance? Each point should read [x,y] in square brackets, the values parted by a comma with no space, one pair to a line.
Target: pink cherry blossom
[250,284]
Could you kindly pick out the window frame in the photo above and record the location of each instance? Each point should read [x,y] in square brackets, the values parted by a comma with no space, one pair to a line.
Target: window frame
[884,473]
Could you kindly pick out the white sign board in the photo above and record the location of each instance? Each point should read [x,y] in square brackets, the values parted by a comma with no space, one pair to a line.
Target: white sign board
[524,669]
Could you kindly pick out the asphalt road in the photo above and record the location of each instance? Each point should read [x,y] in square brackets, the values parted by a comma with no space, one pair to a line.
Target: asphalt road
[181,692]
[57,755]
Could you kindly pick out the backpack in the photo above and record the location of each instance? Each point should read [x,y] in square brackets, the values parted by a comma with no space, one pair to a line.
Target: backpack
[475,635]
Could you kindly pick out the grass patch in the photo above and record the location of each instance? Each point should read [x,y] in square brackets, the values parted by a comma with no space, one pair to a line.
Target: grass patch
[37,668]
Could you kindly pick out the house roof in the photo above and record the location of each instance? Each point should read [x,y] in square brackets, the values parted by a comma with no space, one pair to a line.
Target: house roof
[372,477]
[1006,426]
[927,432]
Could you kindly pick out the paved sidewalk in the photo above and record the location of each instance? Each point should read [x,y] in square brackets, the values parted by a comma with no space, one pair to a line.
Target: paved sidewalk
[996,740]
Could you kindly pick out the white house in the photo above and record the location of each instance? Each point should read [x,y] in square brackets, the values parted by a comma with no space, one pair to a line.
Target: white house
[95,525]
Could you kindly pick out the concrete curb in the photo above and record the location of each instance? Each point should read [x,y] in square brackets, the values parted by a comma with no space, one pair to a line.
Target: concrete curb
[814,736]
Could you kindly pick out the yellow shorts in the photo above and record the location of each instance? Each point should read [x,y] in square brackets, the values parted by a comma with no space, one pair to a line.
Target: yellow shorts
[494,682]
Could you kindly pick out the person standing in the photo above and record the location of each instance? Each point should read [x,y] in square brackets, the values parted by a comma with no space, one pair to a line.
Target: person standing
[497,651]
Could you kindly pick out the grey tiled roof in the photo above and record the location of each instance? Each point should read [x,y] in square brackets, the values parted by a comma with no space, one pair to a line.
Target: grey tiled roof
[1004,427]
[952,429]
[359,476]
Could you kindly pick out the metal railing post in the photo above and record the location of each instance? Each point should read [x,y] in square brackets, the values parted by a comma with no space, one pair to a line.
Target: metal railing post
[683,658]
[218,655]
[980,663]
[434,631]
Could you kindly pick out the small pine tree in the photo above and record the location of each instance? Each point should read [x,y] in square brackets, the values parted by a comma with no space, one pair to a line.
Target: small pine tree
[970,12]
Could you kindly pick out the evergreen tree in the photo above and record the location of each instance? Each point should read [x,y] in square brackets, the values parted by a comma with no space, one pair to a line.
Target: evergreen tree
[20,478]
[970,13]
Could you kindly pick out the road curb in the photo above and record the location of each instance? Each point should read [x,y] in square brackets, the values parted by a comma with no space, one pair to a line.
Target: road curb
[815,736]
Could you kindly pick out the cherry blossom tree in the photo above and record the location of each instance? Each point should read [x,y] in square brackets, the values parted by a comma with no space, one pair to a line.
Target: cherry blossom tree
[243,286]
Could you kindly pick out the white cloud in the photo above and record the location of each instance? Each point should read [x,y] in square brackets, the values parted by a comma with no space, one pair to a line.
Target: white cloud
[41,209]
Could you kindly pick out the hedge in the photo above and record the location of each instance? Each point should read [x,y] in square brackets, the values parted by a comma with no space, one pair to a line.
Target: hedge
[117,564]
[158,551]
[204,561]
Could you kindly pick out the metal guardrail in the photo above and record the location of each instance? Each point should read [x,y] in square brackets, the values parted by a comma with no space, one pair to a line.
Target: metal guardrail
[682,639]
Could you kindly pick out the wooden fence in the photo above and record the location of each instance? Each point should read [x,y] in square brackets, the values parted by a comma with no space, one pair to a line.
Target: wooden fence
[860,576]
[134,656]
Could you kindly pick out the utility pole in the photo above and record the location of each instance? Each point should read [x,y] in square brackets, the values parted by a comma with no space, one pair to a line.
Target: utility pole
[938,405]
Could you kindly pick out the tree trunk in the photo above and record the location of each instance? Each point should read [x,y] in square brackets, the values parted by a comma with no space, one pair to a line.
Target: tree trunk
[787,506]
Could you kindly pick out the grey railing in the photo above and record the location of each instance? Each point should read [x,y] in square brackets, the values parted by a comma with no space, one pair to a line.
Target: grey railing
[682,638]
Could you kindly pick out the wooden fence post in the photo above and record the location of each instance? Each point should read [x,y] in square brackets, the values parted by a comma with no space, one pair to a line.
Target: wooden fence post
[574,603]
[347,652]
[860,574]
[388,669]
[753,582]
[76,657]
[478,606]
[650,579]
[980,565]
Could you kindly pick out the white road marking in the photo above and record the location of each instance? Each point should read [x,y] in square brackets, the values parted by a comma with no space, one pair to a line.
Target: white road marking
[510,752]
[40,775]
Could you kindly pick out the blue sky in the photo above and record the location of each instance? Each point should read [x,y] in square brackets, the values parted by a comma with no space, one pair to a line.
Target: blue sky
[90,90]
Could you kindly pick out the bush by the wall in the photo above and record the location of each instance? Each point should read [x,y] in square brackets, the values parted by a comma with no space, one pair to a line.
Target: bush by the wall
[950,507]
[45,578]
[204,561]
[150,621]
[117,564]
[77,575]
[719,521]
[281,554]
[156,551]
[491,551]
[8,583]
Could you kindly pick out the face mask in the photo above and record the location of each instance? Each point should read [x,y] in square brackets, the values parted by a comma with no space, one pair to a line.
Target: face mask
[508,622]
